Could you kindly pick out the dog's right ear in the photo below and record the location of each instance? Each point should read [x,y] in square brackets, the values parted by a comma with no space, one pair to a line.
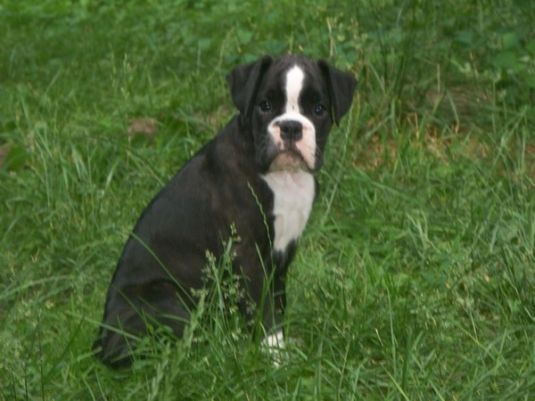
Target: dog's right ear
[244,81]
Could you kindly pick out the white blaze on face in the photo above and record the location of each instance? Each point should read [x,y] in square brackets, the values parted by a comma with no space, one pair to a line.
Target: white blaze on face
[306,146]
[294,84]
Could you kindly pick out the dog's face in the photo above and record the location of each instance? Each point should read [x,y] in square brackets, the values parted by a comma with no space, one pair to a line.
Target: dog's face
[289,105]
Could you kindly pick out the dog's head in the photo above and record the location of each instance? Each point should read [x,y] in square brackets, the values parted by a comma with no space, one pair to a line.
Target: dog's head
[289,104]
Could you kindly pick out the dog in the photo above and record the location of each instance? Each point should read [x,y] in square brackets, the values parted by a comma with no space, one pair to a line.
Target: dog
[254,178]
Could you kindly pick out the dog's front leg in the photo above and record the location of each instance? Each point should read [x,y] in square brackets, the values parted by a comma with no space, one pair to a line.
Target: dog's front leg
[265,302]
[274,304]
[271,303]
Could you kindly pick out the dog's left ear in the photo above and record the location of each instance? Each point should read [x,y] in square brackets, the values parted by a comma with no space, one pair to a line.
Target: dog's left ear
[341,86]
[244,82]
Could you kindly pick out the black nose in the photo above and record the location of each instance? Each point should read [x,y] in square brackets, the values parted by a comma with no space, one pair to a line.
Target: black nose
[291,130]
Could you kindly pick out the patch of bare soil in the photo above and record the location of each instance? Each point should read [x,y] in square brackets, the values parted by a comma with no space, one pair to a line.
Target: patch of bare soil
[145,126]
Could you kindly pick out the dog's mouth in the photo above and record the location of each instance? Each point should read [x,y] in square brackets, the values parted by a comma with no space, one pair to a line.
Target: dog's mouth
[288,159]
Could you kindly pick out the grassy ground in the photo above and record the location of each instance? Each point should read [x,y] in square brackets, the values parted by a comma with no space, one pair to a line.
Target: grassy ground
[415,279]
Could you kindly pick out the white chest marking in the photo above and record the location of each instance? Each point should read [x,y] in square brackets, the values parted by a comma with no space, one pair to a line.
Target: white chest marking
[294,84]
[293,193]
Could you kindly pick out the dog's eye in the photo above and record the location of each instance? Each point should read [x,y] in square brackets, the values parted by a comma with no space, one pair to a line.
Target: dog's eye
[319,109]
[265,106]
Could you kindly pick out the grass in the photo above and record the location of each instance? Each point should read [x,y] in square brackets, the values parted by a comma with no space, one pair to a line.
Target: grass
[415,279]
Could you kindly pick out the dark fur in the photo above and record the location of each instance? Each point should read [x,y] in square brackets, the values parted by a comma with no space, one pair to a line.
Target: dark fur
[220,187]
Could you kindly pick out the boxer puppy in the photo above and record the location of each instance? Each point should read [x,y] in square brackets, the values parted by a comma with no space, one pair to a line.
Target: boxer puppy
[254,179]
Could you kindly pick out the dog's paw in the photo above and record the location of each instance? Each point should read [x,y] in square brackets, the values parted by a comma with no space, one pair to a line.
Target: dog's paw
[274,344]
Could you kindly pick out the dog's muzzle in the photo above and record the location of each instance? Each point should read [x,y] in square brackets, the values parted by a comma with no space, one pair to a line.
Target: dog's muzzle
[294,137]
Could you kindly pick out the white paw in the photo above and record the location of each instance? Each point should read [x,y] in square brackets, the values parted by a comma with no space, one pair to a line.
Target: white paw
[274,343]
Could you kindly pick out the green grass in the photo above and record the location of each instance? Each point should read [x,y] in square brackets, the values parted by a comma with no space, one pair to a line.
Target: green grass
[415,279]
